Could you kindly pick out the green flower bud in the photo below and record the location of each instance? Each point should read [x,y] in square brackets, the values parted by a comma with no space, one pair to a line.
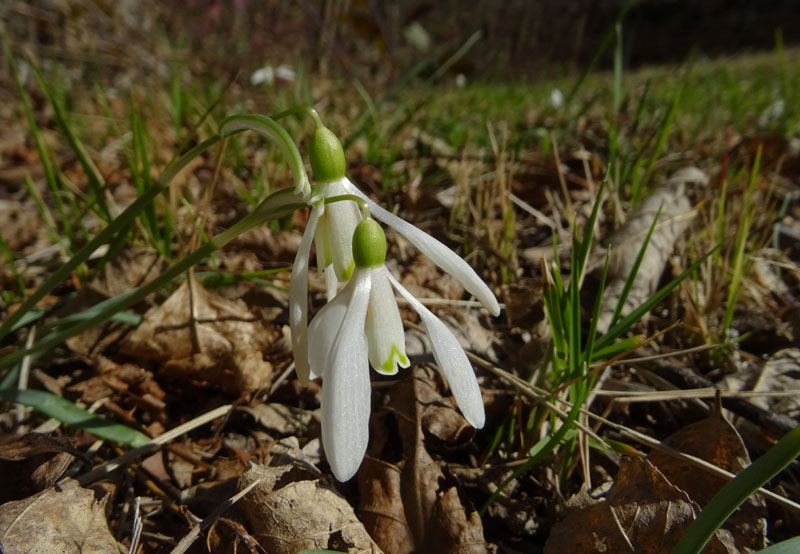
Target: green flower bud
[327,156]
[369,244]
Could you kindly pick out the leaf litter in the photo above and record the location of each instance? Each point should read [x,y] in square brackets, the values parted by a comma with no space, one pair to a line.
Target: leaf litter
[199,335]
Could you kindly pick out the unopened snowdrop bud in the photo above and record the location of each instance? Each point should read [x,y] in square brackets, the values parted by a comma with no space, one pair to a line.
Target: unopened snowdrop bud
[327,155]
[369,244]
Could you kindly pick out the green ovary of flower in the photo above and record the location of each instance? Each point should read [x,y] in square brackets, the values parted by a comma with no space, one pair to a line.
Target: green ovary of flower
[369,244]
[327,155]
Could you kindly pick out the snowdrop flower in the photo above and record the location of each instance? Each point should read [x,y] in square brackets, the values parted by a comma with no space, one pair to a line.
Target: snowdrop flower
[331,226]
[556,98]
[360,327]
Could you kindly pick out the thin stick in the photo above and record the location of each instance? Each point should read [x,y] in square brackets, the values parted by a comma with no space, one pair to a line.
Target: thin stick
[187,541]
[25,371]
[628,396]
[152,446]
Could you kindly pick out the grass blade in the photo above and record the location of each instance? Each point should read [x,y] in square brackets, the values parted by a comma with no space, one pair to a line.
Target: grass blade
[106,235]
[735,492]
[65,411]
[625,323]
[96,181]
[626,289]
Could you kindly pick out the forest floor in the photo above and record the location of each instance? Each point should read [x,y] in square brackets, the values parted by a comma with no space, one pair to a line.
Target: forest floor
[507,175]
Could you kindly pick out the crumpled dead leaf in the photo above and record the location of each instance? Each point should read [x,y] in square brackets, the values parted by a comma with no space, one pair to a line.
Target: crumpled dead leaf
[780,373]
[290,510]
[643,514]
[222,344]
[131,267]
[406,503]
[654,499]
[65,519]
[281,419]
[715,440]
[32,462]
[628,239]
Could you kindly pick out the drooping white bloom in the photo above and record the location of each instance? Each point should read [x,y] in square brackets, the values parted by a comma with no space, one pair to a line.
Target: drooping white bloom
[360,327]
[332,225]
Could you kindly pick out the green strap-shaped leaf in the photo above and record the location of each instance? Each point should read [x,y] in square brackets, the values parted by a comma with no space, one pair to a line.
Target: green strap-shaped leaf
[65,411]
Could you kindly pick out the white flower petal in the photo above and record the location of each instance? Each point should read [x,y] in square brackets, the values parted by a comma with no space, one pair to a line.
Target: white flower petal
[343,217]
[323,330]
[331,283]
[451,359]
[322,242]
[439,254]
[386,339]
[346,389]
[298,297]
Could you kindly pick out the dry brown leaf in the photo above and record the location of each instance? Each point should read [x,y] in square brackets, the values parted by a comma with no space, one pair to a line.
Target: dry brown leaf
[62,520]
[229,339]
[20,447]
[450,517]
[406,503]
[714,440]
[780,373]
[131,267]
[288,512]
[32,462]
[381,507]
[643,514]
[281,419]
[20,222]
[628,239]
[288,451]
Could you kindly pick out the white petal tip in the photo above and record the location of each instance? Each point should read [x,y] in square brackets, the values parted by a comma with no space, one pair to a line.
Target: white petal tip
[344,472]
[476,418]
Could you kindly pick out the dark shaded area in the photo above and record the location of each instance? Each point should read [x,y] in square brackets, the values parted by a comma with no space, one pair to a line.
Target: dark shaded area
[366,38]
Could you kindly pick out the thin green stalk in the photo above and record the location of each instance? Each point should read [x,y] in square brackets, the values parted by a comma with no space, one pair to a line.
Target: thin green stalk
[536,453]
[96,181]
[626,289]
[666,125]
[41,147]
[741,243]
[604,43]
[268,128]
[9,256]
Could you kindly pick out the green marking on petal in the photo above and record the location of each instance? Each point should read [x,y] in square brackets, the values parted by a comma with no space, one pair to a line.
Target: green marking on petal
[348,272]
[388,365]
